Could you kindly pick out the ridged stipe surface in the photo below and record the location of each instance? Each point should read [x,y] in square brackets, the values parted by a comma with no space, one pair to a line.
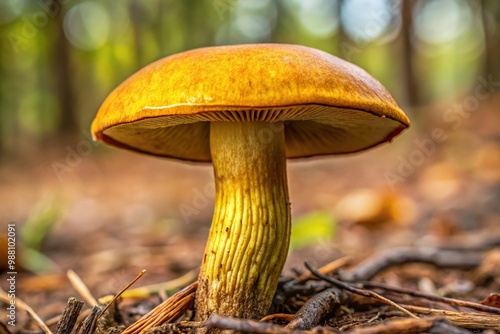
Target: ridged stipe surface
[250,230]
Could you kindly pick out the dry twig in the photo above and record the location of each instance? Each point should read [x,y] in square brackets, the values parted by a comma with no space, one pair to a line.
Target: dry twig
[146,291]
[81,288]
[326,269]
[407,326]
[143,271]
[25,307]
[446,300]
[4,329]
[280,316]
[438,257]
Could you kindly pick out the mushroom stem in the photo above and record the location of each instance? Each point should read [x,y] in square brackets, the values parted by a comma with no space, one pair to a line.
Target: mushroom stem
[250,232]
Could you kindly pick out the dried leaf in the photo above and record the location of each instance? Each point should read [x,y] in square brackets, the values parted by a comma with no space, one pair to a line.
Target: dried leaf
[492,300]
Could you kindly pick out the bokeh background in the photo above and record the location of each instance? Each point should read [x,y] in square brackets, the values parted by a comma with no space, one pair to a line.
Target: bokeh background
[107,213]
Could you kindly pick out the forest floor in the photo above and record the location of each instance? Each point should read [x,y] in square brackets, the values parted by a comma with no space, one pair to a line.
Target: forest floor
[422,213]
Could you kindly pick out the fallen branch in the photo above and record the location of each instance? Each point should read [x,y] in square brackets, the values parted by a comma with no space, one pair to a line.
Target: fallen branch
[471,320]
[438,257]
[69,316]
[446,300]
[316,308]
[248,326]
[362,292]
[408,326]
[444,326]
[89,325]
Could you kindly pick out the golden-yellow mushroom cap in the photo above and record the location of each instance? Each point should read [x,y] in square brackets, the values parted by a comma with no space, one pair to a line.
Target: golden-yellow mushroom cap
[329,106]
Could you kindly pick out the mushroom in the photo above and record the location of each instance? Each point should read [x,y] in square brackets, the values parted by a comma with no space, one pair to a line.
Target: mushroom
[246,108]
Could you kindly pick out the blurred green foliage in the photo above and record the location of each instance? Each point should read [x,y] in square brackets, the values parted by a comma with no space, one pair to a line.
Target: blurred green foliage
[39,224]
[308,229]
[35,229]
[60,58]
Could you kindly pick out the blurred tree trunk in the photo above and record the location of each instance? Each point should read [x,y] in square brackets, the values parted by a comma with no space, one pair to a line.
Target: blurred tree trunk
[4,113]
[190,20]
[207,28]
[412,90]
[198,29]
[137,15]
[159,26]
[346,46]
[281,30]
[61,67]
[490,11]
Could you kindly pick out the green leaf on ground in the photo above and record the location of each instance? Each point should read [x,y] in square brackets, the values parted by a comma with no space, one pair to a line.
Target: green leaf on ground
[309,229]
